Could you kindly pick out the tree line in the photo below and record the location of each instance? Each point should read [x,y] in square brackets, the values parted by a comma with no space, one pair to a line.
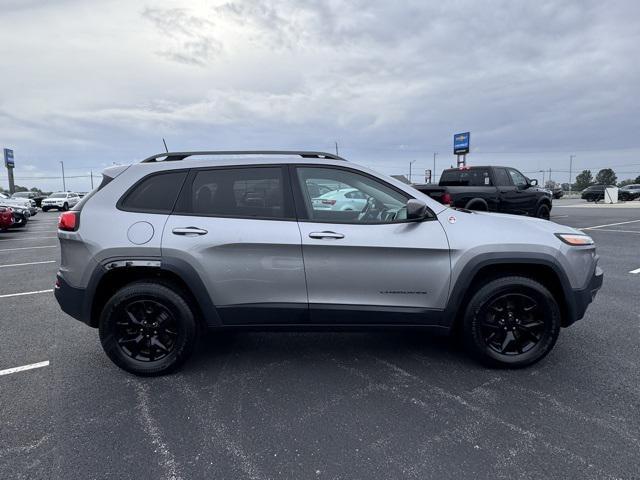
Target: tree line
[606,176]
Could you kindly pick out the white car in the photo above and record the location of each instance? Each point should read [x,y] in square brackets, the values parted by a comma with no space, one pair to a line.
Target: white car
[60,201]
[342,200]
[7,201]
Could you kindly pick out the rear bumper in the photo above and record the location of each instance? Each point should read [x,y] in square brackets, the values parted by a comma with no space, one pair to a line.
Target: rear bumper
[72,300]
[583,297]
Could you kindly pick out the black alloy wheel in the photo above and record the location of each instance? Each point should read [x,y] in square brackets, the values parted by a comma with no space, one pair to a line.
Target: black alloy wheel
[146,330]
[543,212]
[511,322]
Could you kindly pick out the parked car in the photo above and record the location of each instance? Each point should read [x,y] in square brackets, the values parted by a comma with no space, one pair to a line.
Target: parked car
[557,192]
[493,189]
[21,208]
[35,196]
[343,199]
[594,193]
[60,201]
[235,242]
[81,195]
[6,218]
[629,192]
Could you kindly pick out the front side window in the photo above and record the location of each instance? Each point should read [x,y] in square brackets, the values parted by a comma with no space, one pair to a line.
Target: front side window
[350,197]
[519,180]
[243,192]
[156,193]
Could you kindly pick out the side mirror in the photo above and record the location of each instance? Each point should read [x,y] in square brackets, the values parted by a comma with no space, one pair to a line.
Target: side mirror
[416,210]
[533,182]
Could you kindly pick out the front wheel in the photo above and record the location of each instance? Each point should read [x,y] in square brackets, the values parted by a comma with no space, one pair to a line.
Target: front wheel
[511,322]
[147,329]
[543,212]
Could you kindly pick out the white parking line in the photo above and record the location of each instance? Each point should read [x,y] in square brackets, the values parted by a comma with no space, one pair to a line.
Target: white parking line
[25,264]
[609,225]
[25,248]
[25,293]
[24,367]
[618,231]
[23,238]
[637,270]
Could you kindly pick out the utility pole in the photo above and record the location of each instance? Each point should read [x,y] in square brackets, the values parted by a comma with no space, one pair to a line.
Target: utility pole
[571,157]
[549,175]
[410,163]
[337,154]
[64,186]
[91,172]
[433,174]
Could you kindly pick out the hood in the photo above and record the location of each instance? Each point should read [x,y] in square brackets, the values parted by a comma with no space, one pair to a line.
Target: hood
[502,228]
[14,202]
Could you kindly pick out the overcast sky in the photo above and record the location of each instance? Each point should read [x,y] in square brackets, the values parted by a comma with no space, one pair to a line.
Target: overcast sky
[92,83]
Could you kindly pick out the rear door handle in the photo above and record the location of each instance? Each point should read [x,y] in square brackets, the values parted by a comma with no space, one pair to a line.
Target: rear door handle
[322,235]
[189,231]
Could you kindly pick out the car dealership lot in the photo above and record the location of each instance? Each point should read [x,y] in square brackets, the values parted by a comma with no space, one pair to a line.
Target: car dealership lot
[320,405]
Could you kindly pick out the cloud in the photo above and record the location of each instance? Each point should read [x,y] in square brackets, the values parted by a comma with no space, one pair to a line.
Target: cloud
[533,81]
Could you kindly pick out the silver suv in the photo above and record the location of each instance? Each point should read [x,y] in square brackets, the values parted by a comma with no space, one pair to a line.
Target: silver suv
[245,240]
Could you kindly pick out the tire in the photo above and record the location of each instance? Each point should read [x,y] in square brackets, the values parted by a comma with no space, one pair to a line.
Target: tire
[65,207]
[21,224]
[477,205]
[165,310]
[484,320]
[543,212]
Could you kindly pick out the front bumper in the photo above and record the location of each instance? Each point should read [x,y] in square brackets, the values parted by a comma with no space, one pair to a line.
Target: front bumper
[583,297]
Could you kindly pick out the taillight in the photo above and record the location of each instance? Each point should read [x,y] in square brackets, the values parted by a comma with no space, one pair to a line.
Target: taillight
[68,221]
[446,198]
[328,202]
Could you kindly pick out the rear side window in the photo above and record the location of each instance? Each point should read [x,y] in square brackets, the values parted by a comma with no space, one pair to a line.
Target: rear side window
[502,178]
[156,193]
[474,177]
[242,192]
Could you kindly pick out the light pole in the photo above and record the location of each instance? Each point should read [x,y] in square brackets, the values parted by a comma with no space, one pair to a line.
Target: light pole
[433,175]
[64,186]
[543,172]
[571,157]
[410,163]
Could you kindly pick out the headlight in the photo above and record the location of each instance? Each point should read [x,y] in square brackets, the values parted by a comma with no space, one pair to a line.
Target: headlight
[576,239]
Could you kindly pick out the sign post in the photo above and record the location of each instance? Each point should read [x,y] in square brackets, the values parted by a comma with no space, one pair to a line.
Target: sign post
[427,176]
[461,144]
[9,162]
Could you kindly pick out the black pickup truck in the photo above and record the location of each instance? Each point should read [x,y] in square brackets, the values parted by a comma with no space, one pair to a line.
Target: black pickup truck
[493,189]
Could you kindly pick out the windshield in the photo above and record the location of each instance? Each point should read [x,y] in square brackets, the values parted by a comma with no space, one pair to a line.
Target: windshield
[21,195]
[58,195]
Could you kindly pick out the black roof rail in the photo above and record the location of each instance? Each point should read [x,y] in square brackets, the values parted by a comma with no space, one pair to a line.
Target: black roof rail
[173,156]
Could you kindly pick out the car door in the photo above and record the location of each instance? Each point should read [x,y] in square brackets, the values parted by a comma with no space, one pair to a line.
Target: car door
[521,200]
[236,227]
[369,265]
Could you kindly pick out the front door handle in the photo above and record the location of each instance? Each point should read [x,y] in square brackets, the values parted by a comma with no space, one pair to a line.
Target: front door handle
[322,235]
[189,231]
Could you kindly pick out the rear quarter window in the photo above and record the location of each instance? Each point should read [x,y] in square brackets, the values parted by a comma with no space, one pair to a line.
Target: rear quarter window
[156,193]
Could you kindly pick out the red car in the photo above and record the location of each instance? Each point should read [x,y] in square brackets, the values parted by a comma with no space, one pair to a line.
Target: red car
[6,218]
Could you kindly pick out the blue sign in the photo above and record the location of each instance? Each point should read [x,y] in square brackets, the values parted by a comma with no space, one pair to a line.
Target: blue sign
[8,158]
[461,142]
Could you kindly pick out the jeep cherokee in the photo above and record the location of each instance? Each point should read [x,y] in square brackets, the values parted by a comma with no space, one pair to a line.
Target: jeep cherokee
[242,240]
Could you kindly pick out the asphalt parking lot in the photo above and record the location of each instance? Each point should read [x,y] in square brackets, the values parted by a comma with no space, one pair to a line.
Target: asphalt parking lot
[316,405]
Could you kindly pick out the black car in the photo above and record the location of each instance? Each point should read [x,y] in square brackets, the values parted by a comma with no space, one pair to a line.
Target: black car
[493,189]
[629,192]
[594,193]
[557,192]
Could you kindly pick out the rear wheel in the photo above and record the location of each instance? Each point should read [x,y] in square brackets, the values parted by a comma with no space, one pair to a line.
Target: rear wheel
[511,322]
[147,329]
[543,212]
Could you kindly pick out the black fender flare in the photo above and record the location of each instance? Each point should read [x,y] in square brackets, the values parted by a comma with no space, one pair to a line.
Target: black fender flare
[478,201]
[469,271]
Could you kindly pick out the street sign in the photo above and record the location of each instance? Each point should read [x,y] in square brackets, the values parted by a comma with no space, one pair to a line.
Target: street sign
[8,158]
[461,142]
[427,176]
